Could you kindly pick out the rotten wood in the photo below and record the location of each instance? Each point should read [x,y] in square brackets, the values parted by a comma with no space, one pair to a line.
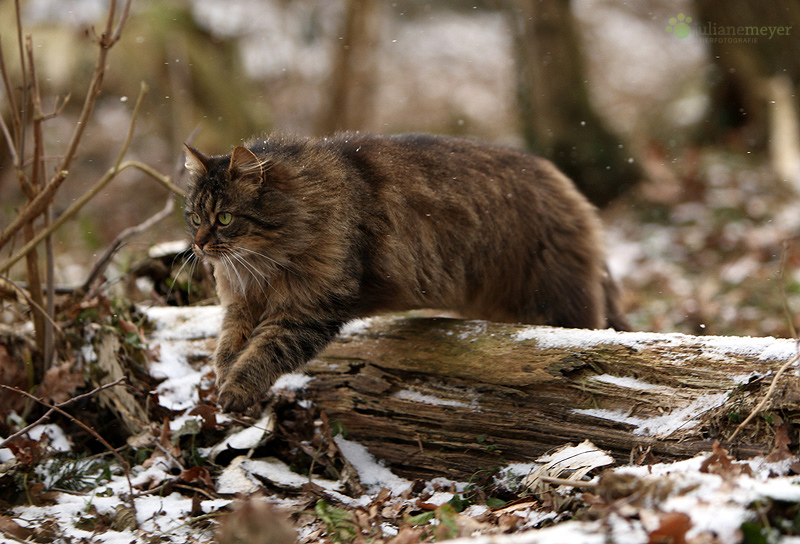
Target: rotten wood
[433,396]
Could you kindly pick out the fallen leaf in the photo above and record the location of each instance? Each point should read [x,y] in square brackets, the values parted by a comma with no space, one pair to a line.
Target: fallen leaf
[9,526]
[209,415]
[196,474]
[60,383]
[780,449]
[723,465]
[672,529]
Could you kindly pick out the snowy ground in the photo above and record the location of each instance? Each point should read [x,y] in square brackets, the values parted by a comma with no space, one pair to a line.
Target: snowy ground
[710,498]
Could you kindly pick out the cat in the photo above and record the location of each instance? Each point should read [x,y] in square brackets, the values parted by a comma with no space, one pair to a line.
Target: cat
[307,234]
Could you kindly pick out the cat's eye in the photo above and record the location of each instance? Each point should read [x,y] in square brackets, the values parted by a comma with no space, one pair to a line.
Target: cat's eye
[195,217]
[224,218]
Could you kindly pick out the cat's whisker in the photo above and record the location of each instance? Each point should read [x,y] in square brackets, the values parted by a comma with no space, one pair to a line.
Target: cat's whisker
[193,260]
[230,267]
[255,272]
[270,259]
[175,278]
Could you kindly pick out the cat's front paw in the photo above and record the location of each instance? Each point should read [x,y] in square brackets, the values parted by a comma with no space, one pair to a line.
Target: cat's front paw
[233,397]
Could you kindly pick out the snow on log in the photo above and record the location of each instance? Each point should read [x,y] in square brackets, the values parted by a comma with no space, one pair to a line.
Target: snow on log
[434,395]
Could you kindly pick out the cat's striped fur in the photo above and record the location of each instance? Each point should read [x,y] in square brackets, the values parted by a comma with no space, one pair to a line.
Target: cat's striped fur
[306,234]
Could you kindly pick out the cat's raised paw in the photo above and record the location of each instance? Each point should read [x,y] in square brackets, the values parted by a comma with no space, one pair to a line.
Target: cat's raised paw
[233,398]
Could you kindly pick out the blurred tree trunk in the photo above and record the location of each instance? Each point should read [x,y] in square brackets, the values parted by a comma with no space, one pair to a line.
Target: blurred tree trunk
[558,120]
[353,79]
[739,90]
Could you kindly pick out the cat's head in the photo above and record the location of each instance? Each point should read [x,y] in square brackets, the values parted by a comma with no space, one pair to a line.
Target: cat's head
[241,213]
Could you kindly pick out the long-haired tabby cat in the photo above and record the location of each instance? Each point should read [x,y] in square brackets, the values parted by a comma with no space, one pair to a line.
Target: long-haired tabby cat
[306,234]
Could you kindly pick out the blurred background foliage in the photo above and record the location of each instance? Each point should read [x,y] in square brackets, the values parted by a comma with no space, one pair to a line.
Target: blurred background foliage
[689,145]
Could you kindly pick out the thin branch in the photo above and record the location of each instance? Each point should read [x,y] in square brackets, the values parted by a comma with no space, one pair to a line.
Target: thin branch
[757,410]
[102,263]
[78,204]
[60,409]
[54,407]
[12,106]
[92,192]
[37,179]
[21,135]
[39,204]
[9,140]
[5,281]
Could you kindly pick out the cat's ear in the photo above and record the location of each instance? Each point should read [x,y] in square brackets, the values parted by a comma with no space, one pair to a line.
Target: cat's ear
[245,163]
[196,162]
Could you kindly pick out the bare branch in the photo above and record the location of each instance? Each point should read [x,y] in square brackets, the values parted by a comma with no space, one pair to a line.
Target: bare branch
[102,263]
[6,282]
[768,396]
[78,204]
[12,105]
[91,193]
[39,204]
[53,408]
[60,409]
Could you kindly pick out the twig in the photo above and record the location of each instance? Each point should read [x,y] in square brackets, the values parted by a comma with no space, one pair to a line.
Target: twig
[37,179]
[78,204]
[102,263]
[769,394]
[12,106]
[39,204]
[4,281]
[59,408]
[91,193]
[53,407]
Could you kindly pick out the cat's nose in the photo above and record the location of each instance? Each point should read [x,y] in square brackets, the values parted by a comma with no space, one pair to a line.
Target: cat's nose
[201,240]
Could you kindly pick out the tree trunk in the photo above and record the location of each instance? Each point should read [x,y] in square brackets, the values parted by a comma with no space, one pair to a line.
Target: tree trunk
[433,396]
[557,116]
[740,95]
[353,79]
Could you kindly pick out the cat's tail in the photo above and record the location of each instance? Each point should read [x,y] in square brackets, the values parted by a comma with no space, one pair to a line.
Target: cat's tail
[614,316]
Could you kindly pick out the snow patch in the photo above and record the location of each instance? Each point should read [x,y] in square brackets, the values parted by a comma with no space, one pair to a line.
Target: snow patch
[245,475]
[372,473]
[764,348]
[295,381]
[355,327]
[184,323]
[662,426]
[627,382]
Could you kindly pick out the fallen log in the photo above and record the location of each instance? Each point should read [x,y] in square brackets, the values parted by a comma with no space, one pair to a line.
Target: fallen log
[433,396]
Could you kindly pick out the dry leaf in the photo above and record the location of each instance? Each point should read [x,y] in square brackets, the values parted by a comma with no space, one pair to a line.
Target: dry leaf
[672,529]
[780,449]
[9,526]
[196,474]
[720,463]
[60,383]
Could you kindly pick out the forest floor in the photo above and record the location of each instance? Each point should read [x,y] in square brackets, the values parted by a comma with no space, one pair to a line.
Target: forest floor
[708,250]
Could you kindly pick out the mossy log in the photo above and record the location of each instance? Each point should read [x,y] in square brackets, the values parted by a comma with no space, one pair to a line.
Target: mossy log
[433,395]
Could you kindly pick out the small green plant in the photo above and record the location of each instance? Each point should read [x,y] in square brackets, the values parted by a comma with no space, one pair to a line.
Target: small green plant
[443,522]
[340,524]
[70,473]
